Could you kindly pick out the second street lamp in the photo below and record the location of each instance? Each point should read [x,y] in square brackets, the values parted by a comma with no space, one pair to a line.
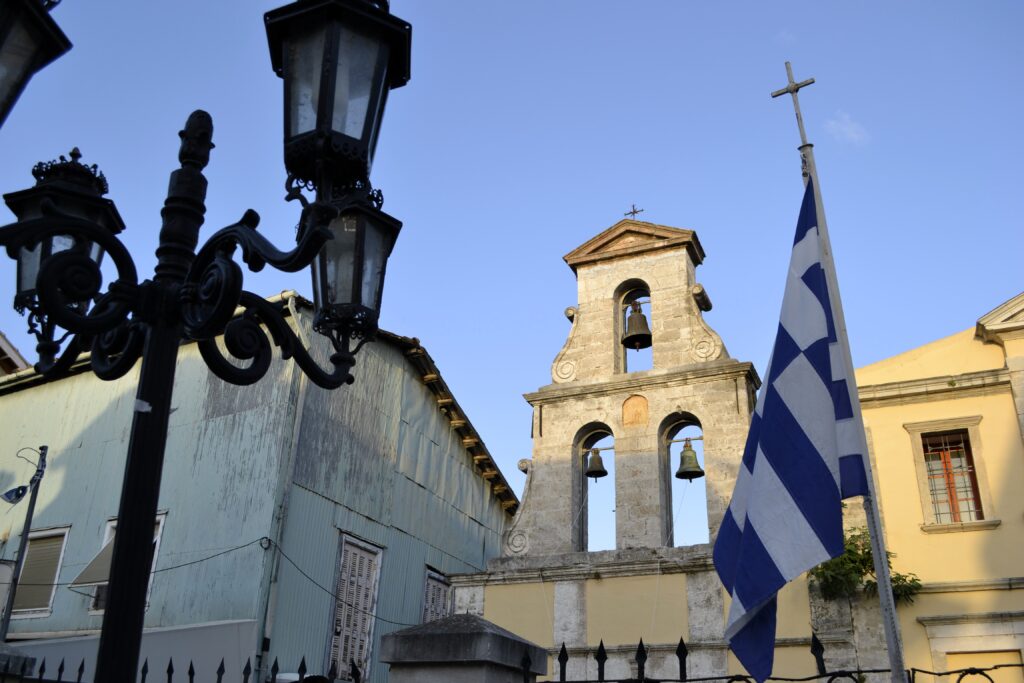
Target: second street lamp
[63,230]
[338,59]
[29,40]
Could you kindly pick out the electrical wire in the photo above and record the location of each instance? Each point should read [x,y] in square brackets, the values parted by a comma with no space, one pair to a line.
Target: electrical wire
[333,594]
[27,448]
[155,571]
[262,540]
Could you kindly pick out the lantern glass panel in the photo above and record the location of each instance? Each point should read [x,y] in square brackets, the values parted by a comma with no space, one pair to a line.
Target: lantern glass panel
[375,258]
[16,58]
[304,60]
[61,243]
[28,268]
[96,253]
[339,256]
[359,76]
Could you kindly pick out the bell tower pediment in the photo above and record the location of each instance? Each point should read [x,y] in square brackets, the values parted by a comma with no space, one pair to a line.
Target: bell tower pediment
[630,237]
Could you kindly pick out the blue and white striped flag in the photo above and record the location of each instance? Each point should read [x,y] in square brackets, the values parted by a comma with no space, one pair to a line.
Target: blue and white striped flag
[803,456]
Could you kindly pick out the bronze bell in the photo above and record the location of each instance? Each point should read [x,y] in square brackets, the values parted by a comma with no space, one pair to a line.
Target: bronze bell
[595,466]
[638,332]
[689,468]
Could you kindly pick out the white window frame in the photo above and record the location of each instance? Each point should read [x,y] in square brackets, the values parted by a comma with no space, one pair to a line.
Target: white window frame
[434,575]
[108,534]
[343,667]
[50,532]
[972,423]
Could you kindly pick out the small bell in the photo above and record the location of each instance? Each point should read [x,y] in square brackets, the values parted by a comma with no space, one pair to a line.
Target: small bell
[595,466]
[638,332]
[689,468]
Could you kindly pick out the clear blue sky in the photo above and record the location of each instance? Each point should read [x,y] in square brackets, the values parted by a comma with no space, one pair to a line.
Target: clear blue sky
[530,126]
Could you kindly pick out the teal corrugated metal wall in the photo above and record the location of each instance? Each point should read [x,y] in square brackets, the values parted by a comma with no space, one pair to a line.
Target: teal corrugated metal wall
[379,462]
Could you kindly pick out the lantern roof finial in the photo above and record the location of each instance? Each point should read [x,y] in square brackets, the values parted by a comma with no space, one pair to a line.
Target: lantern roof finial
[71,171]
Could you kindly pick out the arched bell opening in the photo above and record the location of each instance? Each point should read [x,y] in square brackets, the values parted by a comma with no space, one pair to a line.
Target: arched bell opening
[633,326]
[683,480]
[594,491]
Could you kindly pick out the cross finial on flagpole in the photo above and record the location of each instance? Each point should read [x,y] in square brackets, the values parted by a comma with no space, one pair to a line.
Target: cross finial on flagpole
[633,211]
[792,88]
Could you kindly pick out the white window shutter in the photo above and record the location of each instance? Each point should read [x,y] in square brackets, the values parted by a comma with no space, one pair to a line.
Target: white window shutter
[354,609]
[436,597]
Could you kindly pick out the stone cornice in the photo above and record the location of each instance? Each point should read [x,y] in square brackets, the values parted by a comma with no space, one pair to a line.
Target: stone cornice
[1002,584]
[657,237]
[583,566]
[629,651]
[980,618]
[1006,321]
[980,383]
[697,373]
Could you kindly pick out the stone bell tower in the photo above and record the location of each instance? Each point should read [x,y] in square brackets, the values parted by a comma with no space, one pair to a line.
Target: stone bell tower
[594,395]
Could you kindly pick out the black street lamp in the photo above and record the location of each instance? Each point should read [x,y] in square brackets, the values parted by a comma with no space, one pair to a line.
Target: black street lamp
[29,40]
[65,227]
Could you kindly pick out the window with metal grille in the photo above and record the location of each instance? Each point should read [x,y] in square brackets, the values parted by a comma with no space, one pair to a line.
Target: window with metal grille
[436,597]
[38,578]
[952,482]
[356,604]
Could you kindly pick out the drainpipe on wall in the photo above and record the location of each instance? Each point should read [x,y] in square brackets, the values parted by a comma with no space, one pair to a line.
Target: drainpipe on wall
[268,592]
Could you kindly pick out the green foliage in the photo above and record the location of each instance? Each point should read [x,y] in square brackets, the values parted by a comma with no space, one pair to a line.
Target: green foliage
[853,572]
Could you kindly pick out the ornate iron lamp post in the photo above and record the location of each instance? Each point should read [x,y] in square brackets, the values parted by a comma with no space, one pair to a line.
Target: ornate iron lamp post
[65,228]
[29,40]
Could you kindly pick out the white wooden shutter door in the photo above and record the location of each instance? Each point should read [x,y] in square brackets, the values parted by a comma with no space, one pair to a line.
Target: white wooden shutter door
[354,609]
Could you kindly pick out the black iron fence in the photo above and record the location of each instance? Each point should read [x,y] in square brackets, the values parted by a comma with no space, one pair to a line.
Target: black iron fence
[24,672]
[638,665]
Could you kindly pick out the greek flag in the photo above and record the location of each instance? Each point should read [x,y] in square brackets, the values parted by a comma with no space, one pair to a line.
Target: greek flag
[803,456]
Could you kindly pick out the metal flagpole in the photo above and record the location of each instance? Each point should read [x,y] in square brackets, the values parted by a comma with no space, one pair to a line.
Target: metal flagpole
[893,639]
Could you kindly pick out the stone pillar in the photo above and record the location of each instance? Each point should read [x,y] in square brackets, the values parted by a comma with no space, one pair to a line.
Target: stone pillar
[463,648]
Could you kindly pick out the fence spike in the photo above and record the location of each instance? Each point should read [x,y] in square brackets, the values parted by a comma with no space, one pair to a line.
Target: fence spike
[145,669]
[302,669]
[332,673]
[681,654]
[247,671]
[81,671]
[42,668]
[170,669]
[60,671]
[563,659]
[818,650]
[274,668]
[641,660]
[220,670]
[601,656]
[354,671]
[191,672]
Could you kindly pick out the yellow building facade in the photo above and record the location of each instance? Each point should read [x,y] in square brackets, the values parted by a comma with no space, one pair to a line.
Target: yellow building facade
[944,423]
[938,419]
